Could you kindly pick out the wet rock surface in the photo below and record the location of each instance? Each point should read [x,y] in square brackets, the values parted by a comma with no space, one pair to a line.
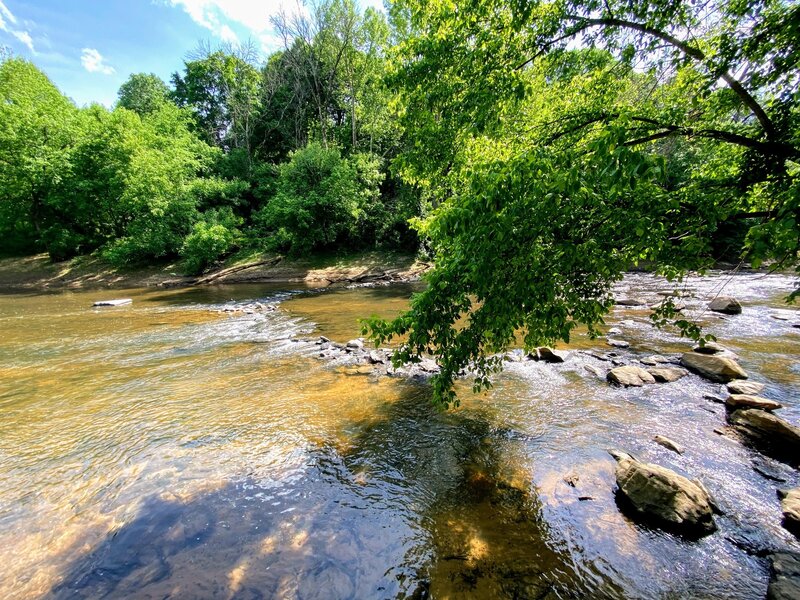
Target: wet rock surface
[715,368]
[667,497]
[725,304]
[784,582]
[630,375]
[790,507]
[551,356]
[745,387]
[667,374]
[668,444]
[769,432]
[735,401]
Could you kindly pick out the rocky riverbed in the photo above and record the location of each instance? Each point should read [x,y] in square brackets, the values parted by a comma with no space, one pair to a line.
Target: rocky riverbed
[209,440]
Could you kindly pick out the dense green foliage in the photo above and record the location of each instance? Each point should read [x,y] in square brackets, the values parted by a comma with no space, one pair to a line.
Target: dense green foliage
[565,141]
[322,200]
[539,148]
[289,155]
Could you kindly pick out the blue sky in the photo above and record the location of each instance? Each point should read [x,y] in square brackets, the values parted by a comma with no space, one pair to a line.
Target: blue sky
[88,48]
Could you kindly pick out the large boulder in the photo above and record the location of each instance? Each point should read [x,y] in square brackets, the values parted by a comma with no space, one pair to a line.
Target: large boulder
[768,431]
[629,375]
[662,494]
[784,581]
[725,304]
[715,368]
[666,374]
[790,506]
[749,401]
[745,387]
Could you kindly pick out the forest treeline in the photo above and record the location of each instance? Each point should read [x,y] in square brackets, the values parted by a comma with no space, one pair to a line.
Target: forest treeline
[289,153]
[535,148]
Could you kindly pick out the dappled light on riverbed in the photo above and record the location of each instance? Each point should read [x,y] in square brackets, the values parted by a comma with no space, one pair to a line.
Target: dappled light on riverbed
[172,449]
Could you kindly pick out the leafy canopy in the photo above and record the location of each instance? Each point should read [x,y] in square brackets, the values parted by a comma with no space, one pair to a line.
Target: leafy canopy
[563,142]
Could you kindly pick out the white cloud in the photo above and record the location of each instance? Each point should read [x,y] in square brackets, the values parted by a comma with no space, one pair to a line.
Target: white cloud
[25,38]
[254,16]
[228,35]
[94,62]
[4,12]
[6,17]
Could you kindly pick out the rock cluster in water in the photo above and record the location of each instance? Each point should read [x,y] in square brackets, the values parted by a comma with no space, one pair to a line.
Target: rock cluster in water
[653,492]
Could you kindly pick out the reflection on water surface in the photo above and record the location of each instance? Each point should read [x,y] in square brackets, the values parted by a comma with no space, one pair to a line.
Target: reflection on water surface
[164,449]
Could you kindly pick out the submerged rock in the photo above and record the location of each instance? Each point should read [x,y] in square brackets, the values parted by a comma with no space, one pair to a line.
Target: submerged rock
[725,304]
[551,356]
[614,331]
[715,368]
[594,371]
[745,387]
[662,494]
[629,375]
[750,401]
[768,431]
[784,581]
[790,507]
[666,374]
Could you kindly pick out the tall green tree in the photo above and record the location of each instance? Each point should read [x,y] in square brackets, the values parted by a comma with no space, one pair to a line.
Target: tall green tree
[553,169]
[37,127]
[221,88]
[143,93]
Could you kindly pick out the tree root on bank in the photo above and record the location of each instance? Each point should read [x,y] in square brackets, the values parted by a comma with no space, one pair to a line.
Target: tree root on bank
[229,271]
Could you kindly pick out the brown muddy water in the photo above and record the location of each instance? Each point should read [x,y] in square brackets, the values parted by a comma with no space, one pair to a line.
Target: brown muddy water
[167,450]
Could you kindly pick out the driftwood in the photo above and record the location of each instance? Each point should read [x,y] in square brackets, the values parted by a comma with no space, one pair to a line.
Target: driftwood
[229,271]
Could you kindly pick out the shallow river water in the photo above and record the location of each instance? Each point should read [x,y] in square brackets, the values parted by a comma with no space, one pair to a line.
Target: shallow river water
[166,449]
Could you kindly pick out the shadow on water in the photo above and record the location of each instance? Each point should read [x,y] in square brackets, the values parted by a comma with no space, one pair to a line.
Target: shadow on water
[414,503]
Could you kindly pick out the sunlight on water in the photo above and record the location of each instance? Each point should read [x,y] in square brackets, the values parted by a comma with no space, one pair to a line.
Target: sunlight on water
[171,448]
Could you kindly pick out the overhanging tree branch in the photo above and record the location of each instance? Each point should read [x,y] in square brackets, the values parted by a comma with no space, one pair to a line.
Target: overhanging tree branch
[690,51]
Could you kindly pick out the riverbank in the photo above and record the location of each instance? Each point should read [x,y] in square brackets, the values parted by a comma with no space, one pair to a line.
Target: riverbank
[38,273]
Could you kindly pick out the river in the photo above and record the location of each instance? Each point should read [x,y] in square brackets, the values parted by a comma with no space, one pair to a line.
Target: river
[170,449]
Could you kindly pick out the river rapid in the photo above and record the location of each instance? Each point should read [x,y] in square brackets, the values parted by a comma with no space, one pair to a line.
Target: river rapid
[175,449]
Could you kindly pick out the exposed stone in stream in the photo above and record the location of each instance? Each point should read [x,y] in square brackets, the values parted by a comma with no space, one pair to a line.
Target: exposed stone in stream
[630,376]
[790,507]
[666,374]
[784,581]
[549,355]
[668,444]
[715,368]
[655,359]
[745,387]
[725,304]
[617,343]
[709,348]
[769,432]
[748,401]
[629,302]
[671,499]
